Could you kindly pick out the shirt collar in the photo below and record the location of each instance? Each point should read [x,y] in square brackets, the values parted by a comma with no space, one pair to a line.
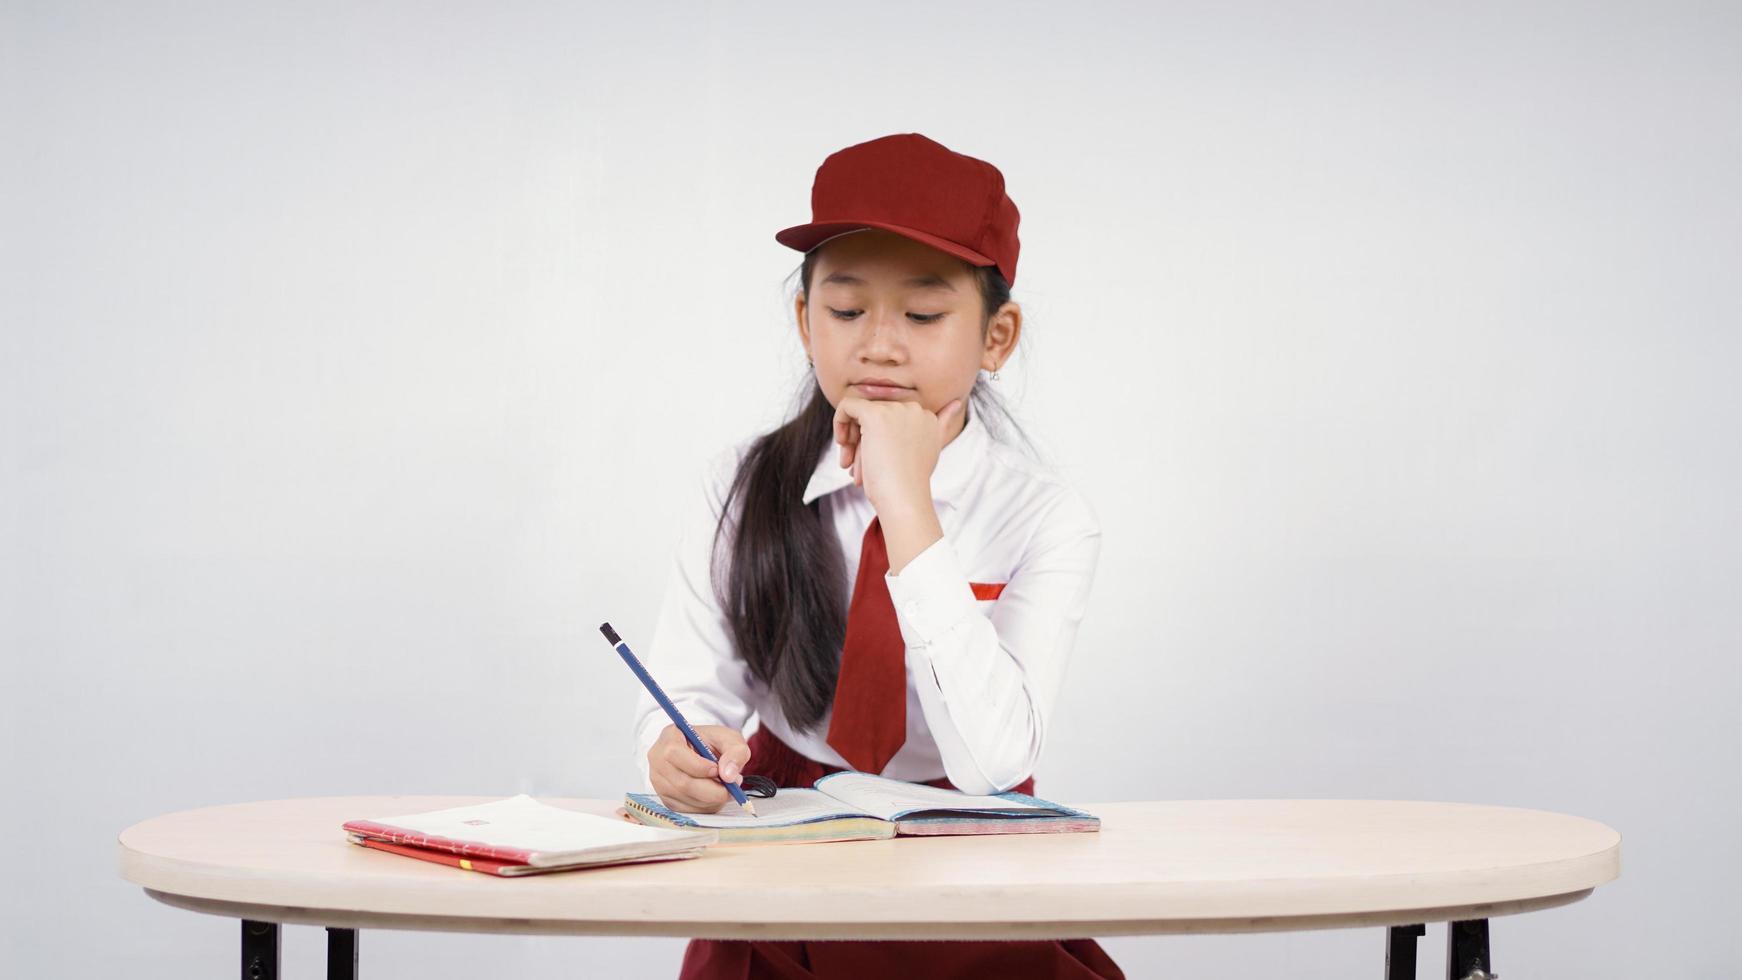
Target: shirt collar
[958,461]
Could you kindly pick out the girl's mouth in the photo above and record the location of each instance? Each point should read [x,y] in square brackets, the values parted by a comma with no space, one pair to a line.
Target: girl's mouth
[882,391]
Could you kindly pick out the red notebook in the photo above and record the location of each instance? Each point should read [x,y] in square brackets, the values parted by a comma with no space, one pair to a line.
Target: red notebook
[521,836]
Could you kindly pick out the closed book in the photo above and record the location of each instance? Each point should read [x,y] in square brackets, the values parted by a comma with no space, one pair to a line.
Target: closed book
[521,836]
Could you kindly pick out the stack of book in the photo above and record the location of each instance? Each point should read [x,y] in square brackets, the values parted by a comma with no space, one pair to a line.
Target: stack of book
[521,836]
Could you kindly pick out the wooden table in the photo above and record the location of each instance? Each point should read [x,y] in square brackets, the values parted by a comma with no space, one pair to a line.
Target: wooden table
[1180,866]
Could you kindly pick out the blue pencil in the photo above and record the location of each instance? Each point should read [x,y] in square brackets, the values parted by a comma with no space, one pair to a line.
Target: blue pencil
[677,719]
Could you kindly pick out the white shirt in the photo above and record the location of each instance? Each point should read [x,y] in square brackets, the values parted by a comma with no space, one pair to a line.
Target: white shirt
[983,675]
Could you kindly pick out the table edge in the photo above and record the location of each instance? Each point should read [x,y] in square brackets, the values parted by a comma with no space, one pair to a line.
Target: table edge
[929,930]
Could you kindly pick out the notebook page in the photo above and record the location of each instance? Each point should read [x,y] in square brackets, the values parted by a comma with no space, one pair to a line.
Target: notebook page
[789,806]
[890,798]
[553,832]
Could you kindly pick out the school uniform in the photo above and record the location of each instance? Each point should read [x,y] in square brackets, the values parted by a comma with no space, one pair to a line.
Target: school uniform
[987,614]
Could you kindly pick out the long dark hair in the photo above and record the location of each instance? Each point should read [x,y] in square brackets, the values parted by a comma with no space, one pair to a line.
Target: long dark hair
[783,594]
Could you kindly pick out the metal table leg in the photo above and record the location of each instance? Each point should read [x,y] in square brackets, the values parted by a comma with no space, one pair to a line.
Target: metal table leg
[1400,951]
[259,950]
[1467,955]
[341,954]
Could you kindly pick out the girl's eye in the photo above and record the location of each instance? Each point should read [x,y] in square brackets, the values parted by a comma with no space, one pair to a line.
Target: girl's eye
[854,314]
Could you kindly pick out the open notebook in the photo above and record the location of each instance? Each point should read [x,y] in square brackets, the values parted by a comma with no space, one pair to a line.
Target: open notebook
[521,836]
[860,806]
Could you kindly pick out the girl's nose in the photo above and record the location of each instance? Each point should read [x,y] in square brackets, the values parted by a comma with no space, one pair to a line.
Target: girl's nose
[883,336]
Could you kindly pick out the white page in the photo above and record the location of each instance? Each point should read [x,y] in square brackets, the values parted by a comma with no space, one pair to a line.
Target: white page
[886,798]
[555,835]
[788,806]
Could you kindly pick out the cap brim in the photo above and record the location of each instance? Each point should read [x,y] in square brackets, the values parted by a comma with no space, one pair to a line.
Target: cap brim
[806,237]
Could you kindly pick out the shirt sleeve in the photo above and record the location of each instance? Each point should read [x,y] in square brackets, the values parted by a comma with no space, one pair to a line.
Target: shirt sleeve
[691,653]
[987,684]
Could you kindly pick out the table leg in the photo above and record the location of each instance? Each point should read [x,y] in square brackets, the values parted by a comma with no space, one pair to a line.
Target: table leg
[341,954]
[1467,956]
[1400,951]
[259,950]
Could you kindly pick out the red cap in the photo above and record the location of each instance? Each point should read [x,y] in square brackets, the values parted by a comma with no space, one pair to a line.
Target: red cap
[918,188]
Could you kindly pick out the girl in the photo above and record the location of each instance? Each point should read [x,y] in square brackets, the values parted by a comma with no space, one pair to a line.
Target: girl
[940,658]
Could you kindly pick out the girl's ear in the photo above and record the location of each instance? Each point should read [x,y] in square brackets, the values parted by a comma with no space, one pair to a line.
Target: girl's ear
[804,329]
[1003,332]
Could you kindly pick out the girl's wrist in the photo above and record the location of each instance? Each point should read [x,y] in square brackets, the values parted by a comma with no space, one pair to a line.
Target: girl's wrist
[907,508]
[906,534]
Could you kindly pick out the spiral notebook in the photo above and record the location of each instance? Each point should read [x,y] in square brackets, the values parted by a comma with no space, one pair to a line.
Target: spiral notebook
[860,806]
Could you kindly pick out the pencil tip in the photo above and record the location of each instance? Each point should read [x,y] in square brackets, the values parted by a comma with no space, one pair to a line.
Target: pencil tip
[750,808]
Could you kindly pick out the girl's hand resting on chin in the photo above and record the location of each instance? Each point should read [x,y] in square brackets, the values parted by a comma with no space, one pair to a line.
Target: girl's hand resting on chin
[892,447]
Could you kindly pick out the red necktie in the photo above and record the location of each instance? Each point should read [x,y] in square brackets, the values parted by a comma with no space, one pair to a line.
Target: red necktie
[870,710]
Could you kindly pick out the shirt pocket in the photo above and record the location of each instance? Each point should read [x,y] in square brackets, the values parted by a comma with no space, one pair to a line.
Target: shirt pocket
[986,595]
[987,590]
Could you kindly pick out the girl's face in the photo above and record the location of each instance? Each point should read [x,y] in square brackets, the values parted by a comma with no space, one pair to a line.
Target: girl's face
[885,308]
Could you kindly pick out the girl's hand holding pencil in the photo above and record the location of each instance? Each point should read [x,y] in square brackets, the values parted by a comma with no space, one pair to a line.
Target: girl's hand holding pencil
[684,780]
[683,777]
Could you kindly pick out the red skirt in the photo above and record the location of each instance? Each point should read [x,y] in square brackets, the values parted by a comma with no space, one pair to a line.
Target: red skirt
[739,959]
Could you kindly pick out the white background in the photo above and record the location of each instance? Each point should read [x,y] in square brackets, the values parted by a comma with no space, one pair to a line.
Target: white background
[354,357]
